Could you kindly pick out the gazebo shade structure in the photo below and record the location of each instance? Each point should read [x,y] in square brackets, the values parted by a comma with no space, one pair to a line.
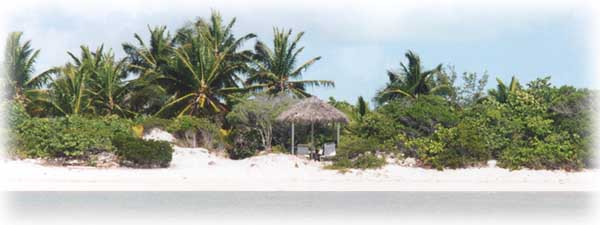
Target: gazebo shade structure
[310,111]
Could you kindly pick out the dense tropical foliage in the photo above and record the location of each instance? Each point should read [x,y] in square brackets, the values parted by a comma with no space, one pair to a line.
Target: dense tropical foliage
[200,84]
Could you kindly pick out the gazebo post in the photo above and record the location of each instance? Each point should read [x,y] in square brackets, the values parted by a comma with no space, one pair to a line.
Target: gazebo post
[293,138]
[312,135]
[337,138]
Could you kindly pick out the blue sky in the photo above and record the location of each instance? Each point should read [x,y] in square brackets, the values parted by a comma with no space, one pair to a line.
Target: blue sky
[358,41]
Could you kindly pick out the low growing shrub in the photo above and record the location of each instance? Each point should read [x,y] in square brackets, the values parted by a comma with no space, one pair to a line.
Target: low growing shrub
[556,151]
[136,152]
[358,153]
[195,132]
[67,136]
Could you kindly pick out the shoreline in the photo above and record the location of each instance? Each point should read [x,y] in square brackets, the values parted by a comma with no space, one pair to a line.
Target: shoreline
[198,170]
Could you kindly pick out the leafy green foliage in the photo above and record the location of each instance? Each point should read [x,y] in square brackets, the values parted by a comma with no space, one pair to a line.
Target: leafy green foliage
[67,136]
[193,81]
[245,143]
[195,131]
[555,151]
[359,153]
[136,152]
[421,116]
[260,114]
[412,81]
[274,70]
[155,122]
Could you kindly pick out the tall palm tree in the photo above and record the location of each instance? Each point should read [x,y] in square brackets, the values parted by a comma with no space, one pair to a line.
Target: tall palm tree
[92,83]
[68,92]
[502,92]
[274,71]
[205,68]
[411,81]
[108,86]
[155,57]
[219,38]
[19,62]
[150,63]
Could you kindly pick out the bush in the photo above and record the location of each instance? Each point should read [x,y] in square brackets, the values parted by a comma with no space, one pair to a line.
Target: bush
[376,126]
[431,153]
[367,161]
[136,152]
[359,153]
[67,136]
[194,131]
[155,122]
[556,151]
[420,117]
[245,143]
[16,114]
[279,149]
[450,148]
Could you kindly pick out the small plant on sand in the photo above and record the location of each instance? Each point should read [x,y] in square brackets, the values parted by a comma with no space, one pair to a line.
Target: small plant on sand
[136,152]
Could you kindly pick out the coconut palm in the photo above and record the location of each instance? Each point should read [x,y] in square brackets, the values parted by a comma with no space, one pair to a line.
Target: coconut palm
[156,57]
[108,86]
[204,69]
[150,63]
[502,92]
[218,36]
[91,83]
[274,70]
[68,92]
[19,62]
[411,81]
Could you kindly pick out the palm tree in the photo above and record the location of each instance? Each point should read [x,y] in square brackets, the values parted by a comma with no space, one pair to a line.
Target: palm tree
[68,92]
[205,69]
[412,81]
[274,71]
[91,83]
[155,57]
[108,87]
[150,63]
[502,92]
[19,62]
[219,37]
[353,112]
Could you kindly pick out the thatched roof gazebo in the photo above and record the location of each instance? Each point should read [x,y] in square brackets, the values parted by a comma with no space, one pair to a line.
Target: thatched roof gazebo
[310,111]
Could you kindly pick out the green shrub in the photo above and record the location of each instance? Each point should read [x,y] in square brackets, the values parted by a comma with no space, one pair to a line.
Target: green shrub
[279,149]
[556,151]
[420,117]
[67,136]
[245,143]
[189,129]
[241,152]
[431,153]
[359,153]
[16,114]
[155,122]
[136,152]
[367,161]
[377,126]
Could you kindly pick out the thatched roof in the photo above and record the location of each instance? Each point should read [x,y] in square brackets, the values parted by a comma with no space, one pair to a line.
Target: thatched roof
[312,110]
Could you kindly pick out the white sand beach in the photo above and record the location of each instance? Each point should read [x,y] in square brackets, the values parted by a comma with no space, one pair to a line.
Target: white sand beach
[195,169]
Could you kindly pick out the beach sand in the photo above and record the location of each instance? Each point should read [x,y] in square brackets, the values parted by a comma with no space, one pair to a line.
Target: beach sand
[195,169]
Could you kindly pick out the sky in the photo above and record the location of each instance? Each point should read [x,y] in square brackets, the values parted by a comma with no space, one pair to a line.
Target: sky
[357,40]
